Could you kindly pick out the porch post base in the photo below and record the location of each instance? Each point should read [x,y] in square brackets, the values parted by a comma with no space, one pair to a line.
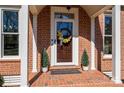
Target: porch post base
[93,68]
[25,85]
[34,70]
[117,81]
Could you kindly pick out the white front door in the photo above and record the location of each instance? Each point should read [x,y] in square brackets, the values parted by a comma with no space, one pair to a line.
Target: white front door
[64,42]
[64,37]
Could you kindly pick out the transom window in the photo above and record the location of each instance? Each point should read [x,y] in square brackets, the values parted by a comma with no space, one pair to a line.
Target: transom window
[64,15]
[10,33]
[107,34]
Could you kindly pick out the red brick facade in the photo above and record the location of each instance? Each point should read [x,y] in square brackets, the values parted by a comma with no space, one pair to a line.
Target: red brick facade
[44,32]
[10,67]
[43,41]
[84,33]
[30,44]
[102,64]
[122,42]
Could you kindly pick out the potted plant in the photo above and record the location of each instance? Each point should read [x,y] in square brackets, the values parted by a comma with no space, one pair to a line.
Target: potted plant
[1,81]
[44,60]
[85,60]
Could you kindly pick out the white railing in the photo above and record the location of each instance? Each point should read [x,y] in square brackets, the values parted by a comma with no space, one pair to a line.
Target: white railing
[12,80]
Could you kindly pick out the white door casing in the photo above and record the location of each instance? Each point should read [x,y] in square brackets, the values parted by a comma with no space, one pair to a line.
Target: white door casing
[65,63]
[74,39]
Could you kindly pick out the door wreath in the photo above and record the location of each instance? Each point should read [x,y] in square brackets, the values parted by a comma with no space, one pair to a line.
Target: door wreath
[64,37]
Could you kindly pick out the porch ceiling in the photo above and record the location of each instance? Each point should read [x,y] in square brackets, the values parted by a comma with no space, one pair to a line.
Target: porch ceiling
[90,9]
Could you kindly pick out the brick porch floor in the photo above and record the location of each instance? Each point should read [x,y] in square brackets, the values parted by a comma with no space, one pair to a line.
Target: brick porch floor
[84,79]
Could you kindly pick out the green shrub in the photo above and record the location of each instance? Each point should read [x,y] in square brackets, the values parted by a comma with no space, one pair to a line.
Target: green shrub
[44,58]
[85,59]
[1,81]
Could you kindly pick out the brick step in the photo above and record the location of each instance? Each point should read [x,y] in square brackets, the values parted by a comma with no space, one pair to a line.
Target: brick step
[64,67]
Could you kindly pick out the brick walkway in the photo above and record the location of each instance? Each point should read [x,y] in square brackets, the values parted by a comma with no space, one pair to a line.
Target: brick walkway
[84,79]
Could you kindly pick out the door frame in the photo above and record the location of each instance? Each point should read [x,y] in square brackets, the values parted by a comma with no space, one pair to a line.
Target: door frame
[75,46]
[64,63]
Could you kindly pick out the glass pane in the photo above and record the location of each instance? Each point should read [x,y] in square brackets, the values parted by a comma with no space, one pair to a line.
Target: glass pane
[64,15]
[64,41]
[108,25]
[11,46]
[108,45]
[10,21]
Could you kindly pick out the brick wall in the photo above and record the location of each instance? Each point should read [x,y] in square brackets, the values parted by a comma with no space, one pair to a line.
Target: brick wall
[9,67]
[101,63]
[44,32]
[31,75]
[84,33]
[122,43]
[43,38]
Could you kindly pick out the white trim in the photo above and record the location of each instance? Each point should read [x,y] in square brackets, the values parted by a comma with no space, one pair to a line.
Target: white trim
[75,35]
[102,10]
[12,80]
[116,45]
[76,38]
[52,32]
[106,56]
[73,44]
[34,34]
[10,59]
[3,33]
[24,44]
[11,8]
[93,43]
[108,74]
[64,63]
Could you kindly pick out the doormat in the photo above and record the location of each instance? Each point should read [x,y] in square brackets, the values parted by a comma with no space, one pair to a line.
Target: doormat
[65,71]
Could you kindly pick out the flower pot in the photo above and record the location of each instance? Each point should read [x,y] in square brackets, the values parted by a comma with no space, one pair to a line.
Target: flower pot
[85,68]
[44,69]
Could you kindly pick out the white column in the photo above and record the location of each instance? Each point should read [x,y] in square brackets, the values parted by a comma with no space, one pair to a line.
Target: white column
[116,53]
[23,25]
[34,65]
[93,43]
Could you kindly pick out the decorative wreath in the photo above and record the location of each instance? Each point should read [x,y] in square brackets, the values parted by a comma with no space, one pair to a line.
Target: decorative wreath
[64,39]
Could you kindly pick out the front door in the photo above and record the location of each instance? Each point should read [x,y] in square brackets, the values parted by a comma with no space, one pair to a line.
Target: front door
[64,42]
[64,36]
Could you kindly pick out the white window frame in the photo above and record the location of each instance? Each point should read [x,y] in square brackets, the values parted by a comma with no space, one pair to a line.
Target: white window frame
[2,57]
[106,56]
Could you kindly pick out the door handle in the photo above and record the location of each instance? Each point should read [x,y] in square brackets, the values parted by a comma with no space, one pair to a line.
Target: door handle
[53,41]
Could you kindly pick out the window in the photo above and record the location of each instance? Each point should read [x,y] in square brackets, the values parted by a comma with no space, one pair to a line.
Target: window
[64,15]
[107,34]
[10,33]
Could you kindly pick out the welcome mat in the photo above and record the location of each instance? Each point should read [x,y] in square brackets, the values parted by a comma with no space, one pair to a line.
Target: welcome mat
[65,71]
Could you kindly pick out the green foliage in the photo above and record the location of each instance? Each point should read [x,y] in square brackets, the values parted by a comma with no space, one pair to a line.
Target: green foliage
[85,59]
[1,80]
[44,58]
